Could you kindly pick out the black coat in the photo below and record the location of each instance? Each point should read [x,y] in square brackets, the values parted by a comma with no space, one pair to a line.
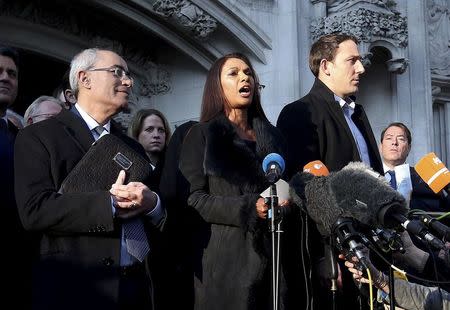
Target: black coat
[231,257]
[315,129]
[17,270]
[80,240]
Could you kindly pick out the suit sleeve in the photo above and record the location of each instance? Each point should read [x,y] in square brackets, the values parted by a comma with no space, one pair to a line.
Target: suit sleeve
[41,207]
[301,134]
[224,209]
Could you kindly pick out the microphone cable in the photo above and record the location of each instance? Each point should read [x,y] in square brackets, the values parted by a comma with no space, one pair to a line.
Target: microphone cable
[435,271]
[369,277]
[304,245]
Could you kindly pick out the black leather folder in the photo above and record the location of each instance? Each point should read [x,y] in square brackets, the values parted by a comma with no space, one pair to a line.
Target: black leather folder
[100,166]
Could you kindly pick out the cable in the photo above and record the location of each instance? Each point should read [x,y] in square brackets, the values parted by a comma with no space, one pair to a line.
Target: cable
[369,276]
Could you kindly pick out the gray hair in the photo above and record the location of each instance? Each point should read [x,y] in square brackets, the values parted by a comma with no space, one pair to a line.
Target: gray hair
[80,62]
[34,106]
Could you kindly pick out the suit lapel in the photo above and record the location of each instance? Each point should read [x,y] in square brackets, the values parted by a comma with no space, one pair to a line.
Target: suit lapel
[334,108]
[76,128]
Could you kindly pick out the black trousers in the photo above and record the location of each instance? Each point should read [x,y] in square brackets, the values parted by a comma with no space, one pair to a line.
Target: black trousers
[135,288]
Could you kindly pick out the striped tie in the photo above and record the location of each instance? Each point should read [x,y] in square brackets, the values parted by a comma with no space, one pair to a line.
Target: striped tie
[136,239]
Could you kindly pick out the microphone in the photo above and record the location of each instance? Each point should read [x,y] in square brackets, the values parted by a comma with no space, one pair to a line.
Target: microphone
[349,241]
[441,230]
[316,168]
[391,218]
[431,169]
[337,202]
[273,166]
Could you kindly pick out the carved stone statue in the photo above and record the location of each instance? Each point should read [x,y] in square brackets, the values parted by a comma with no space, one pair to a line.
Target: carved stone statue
[339,5]
[439,35]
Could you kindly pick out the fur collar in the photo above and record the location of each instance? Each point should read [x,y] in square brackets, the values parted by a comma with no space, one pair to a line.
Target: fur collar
[233,159]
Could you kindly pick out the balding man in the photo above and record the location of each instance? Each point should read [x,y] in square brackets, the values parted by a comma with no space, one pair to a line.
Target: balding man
[41,109]
[87,258]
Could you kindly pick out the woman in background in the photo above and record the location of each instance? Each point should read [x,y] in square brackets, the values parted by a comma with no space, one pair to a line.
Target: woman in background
[151,129]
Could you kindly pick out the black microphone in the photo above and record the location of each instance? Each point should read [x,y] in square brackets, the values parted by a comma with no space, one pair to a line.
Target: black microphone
[355,192]
[349,241]
[391,218]
[440,229]
[273,166]
[340,201]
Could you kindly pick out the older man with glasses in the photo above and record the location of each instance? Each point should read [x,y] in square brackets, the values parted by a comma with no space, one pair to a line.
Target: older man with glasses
[86,258]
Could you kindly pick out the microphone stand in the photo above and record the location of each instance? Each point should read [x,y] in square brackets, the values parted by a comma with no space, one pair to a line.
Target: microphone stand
[330,260]
[391,286]
[275,230]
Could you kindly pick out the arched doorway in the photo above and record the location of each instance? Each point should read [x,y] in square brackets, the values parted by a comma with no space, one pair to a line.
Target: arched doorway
[38,75]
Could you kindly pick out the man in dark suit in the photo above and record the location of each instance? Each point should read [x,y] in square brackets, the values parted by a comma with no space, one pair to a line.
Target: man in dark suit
[87,258]
[17,267]
[327,124]
[395,145]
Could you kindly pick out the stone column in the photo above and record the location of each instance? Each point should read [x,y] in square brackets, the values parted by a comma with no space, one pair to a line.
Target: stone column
[415,87]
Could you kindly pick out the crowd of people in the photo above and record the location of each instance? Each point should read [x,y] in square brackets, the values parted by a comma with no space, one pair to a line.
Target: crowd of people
[194,234]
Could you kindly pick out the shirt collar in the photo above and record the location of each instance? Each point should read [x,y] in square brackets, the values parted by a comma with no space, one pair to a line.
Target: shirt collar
[386,168]
[92,123]
[342,102]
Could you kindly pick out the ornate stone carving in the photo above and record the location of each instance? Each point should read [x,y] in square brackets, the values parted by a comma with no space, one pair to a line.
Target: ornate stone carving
[340,5]
[366,25]
[397,65]
[439,36]
[187,16]
[366,60]
[154,81]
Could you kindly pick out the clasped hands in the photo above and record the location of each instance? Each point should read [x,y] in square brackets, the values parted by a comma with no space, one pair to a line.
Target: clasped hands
[131,199]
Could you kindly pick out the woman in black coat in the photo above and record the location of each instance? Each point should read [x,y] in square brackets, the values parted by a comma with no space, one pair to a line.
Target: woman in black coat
[221,158]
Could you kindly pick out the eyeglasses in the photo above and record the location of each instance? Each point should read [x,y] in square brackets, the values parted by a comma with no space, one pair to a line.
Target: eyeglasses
[117,71]
[44,115]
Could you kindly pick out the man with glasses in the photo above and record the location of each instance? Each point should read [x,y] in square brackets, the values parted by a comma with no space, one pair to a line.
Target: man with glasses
[41,109]
[86,261]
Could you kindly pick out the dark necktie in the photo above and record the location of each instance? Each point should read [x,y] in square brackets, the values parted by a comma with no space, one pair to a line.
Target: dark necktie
[392,181]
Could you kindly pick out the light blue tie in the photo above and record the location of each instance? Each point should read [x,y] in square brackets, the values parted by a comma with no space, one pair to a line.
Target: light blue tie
[359,138]
[136,239]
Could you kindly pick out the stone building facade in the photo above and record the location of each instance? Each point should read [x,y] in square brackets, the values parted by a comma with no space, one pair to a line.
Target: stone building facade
[170,44]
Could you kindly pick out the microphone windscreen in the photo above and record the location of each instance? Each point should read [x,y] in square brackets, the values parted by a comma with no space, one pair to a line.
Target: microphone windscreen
[273,158]
[431,169]
[317,168]
[355,192]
